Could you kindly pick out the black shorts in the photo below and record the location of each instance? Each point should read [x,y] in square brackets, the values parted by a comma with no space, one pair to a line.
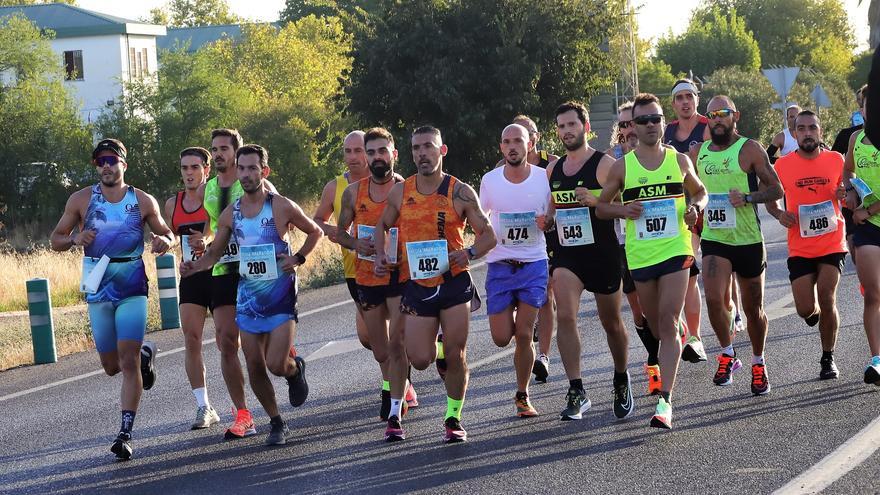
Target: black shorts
[748,261]
[694,270]
[628,285]
[866,234]
[419,300]
[352,289]
[224,290]
[371,296]
[672,265]
[848,221]
[196,289]
[600,273]
[799,266]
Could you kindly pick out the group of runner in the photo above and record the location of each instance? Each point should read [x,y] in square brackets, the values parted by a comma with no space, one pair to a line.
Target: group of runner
[628,221]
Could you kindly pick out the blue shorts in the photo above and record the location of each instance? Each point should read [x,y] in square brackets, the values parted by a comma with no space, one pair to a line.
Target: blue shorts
[508,282]
[121,320]
[263,324]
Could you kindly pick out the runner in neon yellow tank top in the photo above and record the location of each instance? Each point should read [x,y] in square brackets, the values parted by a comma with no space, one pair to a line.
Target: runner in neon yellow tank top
[863,162]
[653,180]
[730,166]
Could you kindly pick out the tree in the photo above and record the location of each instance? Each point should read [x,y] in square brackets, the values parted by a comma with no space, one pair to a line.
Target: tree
[13,3]
[861,67]
[45,148]
[468,67]
[190,13]
[713,40]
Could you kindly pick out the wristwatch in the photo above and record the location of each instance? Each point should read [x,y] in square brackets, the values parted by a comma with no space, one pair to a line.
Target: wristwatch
[747,198]
[472,254]
[300,258]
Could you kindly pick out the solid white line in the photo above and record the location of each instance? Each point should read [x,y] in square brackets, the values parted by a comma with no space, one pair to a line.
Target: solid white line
[494,357]
[836,464]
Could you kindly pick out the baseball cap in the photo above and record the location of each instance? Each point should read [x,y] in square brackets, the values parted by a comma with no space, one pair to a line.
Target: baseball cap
[113,145]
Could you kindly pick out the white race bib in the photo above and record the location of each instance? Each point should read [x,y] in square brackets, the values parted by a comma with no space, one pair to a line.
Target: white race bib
[258,262]
[369,231]
[720,214]
[659,220]
[92,273]
[186,250]
[230,255]
[427,259]
[574,227]
[518,228]
[861,187]
[817,219]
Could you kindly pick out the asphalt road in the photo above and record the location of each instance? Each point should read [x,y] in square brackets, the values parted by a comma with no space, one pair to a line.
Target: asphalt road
[56,439]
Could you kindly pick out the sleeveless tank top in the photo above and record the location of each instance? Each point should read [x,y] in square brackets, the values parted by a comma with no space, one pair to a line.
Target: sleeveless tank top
[720,172]
[562,192]
[867,161]
[119,230]
[430,217]
[216,200]
[543,159]
[660,233]
[790,144]
[695,137]
[367,212]
[263,298]
[185,222]
[348,256]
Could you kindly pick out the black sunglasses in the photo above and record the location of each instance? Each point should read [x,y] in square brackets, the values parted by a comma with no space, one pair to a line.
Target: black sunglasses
[653,118]
[623,124]
[107,160]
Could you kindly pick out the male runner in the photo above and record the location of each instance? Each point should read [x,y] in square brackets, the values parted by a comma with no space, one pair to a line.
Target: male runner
[863,161]
[731,167]
[841,145]
[111,217]
[588,258]
[431,208]
[259,222]
[811,177]
[785,141]
[185,213]
[517,196]
[378,297]
[652,181]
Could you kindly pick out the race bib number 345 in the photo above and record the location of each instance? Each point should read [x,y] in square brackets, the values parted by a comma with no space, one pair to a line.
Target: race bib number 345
[720,214]
[427,259]
[659,220]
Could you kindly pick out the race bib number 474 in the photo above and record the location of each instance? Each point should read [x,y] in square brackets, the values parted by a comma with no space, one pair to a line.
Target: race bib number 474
[518,228]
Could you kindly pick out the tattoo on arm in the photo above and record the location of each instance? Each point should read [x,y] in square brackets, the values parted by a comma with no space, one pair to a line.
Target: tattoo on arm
[767,175]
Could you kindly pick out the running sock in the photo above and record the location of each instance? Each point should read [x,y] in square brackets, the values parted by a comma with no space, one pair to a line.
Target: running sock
[758,359]
[453,408]
[652,345]
[620,377]
[127,422]
[667,396]
[875,360]
[440,352]
[729,351]
[576,384]
[521,395]
[827,355]
[396,405]
[276,420]
[201,395]
[386,386]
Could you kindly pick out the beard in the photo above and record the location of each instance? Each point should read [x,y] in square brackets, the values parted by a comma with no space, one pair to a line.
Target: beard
[515,163]
[380,169]
[809,145]
[577,143]
[722,138]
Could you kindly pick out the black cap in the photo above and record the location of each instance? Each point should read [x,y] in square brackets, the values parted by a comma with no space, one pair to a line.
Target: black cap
[113,145]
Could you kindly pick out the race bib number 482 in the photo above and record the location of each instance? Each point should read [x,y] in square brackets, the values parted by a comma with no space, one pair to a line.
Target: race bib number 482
[427,259]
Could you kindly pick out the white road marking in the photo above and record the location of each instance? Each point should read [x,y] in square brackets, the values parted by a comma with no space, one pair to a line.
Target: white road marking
[494,357]
[335,347]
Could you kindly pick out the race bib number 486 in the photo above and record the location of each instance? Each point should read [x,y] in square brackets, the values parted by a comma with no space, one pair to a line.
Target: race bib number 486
[817,219]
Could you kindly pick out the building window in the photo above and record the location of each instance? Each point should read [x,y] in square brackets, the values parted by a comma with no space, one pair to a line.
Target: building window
[132,68]
[140,65]
[146,65]
[73,65]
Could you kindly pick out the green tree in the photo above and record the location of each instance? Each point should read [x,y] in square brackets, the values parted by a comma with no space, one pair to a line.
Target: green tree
[45,148]
[861,67]
[655,76]
[753,96]
[189,13]
[467,67]
[13,3]
[713,40]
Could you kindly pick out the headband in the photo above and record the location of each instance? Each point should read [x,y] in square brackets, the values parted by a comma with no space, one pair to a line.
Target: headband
[684,86]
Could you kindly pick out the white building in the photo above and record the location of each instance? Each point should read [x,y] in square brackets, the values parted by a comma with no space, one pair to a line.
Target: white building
[98,51]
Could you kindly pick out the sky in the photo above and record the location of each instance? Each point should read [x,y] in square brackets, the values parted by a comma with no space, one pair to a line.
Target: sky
[655,17]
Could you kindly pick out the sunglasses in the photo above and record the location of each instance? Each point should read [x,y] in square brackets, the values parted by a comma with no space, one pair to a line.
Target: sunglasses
[624,124]
[654,118]
[720,114]
[101,161]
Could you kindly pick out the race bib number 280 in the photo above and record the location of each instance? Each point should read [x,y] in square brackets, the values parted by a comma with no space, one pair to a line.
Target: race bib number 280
[258,262]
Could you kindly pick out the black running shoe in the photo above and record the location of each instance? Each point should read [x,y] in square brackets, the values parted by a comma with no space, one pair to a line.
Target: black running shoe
[298,389]
[541,368]
[812,319]
[122,446]
[148,366]
[454,431]
[278,433]
[829,369]
[872,374]
[623,399]
[385,407]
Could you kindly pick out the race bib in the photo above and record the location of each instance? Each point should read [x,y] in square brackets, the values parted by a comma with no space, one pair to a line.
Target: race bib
[720,214]
[188,253]
[518,228]
[427,259]
[368,231]
[92,273]
[861,187]
[574,227]
[817,219]
[659,220]
[258,262]
[230,255]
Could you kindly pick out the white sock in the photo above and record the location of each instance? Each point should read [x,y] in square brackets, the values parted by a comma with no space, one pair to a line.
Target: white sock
[758,359]
[729,351]
[396,405]
[201,395]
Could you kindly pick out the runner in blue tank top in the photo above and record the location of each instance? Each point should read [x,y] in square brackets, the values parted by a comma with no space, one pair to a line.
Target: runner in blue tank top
[110,216]
[266,305]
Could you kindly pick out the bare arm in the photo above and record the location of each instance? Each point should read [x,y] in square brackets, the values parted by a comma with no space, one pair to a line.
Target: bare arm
[695,189]
[606,208]
[169,214]
[849,171]
[325,210]
[215,250]
[162,238]
[61,240]
[465,201]
[389,217]
[294,216]
[346,217]
[758,161]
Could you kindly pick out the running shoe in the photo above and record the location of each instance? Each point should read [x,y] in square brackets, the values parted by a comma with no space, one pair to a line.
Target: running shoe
[693,350]
[242,427]
[872,372]
[148,366]
[726,366]
[122,446]
[812,319]
[623,399]
[394,430]
[535,331]
[524,408]
[829,369]
[577,404]
[662,415]
[541,368]
[205,417]
[411,397]
[654,383]
[441,358]
[760,383]
[682,329]
[454,431]
[298,388]
[738,323]
[278,433]
[862,290]
[385,407]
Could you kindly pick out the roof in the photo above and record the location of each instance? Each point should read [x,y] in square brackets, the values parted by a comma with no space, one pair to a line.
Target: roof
[199,36]
[68,21]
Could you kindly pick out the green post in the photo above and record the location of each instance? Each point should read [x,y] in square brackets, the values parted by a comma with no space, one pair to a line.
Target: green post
[42,328]
[166,272]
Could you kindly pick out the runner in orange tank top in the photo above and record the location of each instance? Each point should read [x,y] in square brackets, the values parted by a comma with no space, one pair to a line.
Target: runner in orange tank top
[431,208]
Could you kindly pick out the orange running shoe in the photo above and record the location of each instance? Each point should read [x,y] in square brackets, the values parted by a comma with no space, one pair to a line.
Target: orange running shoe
[524,408]
[243,425]
[412,398]
[654,382]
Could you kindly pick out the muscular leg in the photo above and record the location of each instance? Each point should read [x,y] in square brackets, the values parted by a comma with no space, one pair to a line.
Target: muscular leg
[230,366]
[608,306]
[752,291]
[420,340]
[869,275]
[716,281]
[376,320]
[546,321]
[826,289]
[693,304]
[567,291]
[456,323]
[636,306]
[254,346]
[663,300]
[130,364]
[803,290]
[192,320]
[398,365]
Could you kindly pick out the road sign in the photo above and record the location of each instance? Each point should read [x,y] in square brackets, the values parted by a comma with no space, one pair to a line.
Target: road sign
[820,97]
[782,79]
